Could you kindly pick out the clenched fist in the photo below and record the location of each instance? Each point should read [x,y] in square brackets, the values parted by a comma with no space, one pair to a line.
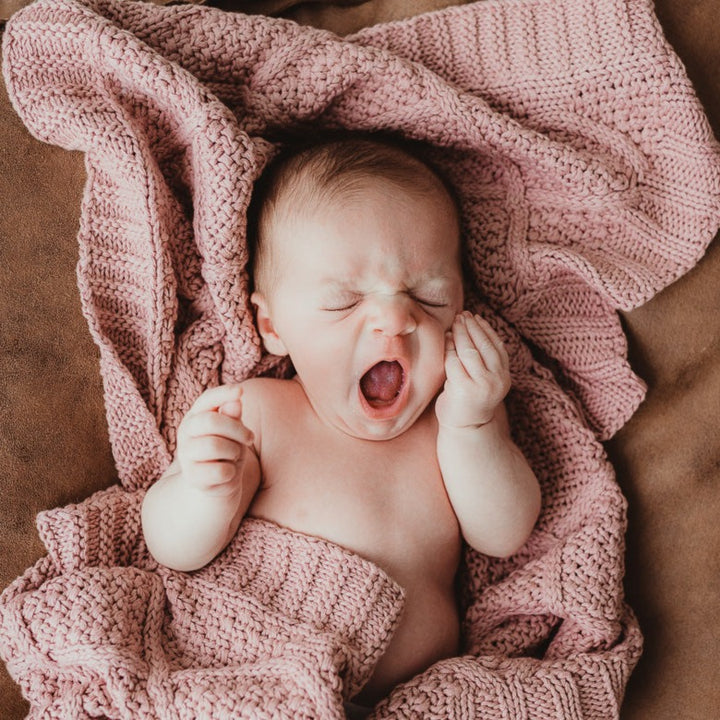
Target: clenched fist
[213,442]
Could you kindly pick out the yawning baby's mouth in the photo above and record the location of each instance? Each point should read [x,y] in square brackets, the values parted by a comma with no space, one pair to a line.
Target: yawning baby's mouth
[382,383]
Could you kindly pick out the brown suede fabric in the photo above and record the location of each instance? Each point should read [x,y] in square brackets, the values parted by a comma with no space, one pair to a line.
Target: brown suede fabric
[53,436]
[668,456]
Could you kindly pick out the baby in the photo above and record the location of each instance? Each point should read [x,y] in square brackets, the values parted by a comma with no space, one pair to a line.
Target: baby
[391,440]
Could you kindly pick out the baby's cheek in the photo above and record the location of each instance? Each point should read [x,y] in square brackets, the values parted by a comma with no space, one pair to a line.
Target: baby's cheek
[450,318]
[437,353]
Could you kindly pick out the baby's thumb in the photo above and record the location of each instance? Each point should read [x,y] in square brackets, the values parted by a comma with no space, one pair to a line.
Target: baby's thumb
[232,409]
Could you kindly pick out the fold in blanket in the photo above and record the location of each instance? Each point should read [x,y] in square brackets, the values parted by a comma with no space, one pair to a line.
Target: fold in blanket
[297,622]
[588,179]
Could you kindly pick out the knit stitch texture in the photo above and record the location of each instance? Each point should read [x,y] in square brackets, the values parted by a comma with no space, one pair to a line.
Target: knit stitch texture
[588,179]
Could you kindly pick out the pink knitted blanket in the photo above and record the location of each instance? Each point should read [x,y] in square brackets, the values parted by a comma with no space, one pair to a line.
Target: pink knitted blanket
[588,178]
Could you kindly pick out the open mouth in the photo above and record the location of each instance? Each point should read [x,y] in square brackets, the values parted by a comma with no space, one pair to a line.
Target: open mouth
[382,384]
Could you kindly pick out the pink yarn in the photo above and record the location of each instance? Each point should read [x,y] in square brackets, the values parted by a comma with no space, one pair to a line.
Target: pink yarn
[588,178]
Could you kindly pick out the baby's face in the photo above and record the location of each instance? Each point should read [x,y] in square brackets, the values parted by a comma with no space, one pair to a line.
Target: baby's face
[365,288]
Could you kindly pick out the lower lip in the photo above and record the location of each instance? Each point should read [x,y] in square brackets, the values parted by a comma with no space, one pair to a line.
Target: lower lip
[389,410]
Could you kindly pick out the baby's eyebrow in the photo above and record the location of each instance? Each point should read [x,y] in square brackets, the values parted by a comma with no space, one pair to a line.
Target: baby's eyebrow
[334,285]
[433,282]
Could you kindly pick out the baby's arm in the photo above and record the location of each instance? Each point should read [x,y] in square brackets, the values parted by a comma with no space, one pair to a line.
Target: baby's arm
[192,512]
[492,488]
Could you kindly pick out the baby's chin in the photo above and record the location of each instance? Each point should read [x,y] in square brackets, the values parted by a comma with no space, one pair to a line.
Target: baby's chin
[364,428]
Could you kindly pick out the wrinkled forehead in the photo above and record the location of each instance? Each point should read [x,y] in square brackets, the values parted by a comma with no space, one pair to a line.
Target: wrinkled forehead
[374,228]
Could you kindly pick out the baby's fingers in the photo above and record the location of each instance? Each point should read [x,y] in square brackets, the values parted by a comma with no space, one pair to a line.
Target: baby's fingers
[480,335]
[217,476]
[454,368]
[211,448]
[214,423]
[215,398]
[470,357]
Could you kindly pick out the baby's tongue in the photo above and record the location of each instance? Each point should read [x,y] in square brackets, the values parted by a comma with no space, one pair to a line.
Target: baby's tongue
[382,382]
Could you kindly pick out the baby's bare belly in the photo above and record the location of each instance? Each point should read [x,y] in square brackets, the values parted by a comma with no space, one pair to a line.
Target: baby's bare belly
[422,559]
[428,631]
[399,518]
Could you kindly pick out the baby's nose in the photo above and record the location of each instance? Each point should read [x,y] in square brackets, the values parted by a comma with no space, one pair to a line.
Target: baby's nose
[393,315]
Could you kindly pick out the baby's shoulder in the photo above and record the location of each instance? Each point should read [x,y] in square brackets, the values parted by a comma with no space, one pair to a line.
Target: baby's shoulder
[269,389]
[269,397]
[271,408]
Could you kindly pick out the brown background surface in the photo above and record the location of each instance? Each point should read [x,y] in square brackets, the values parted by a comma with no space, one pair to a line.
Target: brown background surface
[53,436]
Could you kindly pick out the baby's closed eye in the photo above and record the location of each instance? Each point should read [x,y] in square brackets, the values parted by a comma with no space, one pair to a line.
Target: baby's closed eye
[429,301]
[338,303]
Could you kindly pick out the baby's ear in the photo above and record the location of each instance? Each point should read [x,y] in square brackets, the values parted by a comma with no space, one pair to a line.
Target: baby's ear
[266,328]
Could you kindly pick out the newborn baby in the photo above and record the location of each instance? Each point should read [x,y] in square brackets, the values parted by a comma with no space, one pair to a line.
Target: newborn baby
[391,440]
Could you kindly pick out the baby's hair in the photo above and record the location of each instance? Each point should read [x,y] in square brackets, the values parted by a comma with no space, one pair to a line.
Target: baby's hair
[302,177]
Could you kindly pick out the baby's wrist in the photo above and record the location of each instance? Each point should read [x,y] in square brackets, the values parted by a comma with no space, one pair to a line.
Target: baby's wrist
[472,427]
[465,420]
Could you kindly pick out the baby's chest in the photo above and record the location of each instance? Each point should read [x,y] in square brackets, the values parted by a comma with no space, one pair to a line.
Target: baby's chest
[390,507]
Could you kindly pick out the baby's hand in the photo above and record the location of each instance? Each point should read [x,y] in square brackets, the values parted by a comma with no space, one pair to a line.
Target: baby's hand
[478,374]
[212,441]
